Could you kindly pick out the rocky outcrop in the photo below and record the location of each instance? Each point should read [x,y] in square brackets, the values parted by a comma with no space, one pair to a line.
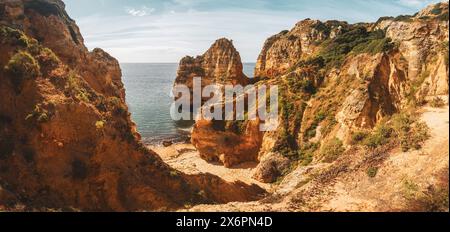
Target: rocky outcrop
[218,142]
[221,64]
[271,167]
[423,42]
[66,138]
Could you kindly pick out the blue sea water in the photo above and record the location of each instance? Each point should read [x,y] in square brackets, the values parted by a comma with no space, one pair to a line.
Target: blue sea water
[148,88]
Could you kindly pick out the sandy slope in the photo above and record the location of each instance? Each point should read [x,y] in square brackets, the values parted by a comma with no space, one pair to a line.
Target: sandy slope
[403,175]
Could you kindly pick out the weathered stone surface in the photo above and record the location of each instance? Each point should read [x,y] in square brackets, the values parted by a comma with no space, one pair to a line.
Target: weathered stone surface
[66,138]
[216,144]
[271,167]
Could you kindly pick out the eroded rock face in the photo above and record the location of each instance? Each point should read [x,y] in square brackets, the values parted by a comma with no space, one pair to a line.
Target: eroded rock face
[387,78]
[423,42]
[221,64]
[66,138]
[271,167]
[215,143]
[417,69]
[47,22]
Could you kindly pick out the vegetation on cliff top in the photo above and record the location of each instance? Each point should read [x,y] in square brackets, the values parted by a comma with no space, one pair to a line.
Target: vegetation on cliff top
[355,41]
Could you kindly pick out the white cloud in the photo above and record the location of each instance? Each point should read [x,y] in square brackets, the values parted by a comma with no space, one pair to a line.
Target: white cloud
[143,11]
[414,3]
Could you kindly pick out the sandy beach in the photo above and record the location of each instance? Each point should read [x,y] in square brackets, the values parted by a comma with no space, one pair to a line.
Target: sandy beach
[185,158]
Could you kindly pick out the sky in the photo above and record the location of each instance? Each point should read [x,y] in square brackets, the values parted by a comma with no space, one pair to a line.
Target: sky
[164,31]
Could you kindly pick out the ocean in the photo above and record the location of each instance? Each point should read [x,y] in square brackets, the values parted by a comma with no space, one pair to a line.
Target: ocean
[148,88]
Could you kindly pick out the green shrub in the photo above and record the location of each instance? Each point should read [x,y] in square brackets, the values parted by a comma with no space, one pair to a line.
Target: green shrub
[306,153]
[286,145]
[415,137]
[437,9]
[415,87]
[100,124]
[332,150]
[437,102]
[359,136]
[434,198]
[379,136]
[236,126]
[309,71]
[312,130]
[357,40]
[13,36]
[76,89]
[372,172]
[401,123]
[401,127]
[48,58]
[444,16]
[411,133]
[320,116]
[22,66]
[116,105]
[374,46]
[403,18]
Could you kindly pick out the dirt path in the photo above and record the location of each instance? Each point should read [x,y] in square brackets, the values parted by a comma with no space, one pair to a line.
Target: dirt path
[185,158]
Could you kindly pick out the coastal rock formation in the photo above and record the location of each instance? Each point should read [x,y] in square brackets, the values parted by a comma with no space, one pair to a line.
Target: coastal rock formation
[341,78]
[363,117]
[220,140]
[66,138]
[221,64]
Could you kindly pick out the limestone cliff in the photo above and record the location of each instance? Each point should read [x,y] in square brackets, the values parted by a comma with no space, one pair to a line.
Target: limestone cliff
[351,77]
[221,64]
[363,116]
[66,138]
